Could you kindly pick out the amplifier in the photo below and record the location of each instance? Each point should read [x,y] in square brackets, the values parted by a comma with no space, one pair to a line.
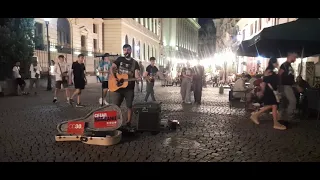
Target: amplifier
[148,116]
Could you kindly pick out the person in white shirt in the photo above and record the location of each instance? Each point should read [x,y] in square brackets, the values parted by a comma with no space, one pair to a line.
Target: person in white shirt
[61,72]
[251,82]
[239,86]
[17,76]
[35,71]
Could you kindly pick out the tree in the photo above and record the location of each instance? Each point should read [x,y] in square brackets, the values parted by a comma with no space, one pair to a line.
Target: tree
[17,44]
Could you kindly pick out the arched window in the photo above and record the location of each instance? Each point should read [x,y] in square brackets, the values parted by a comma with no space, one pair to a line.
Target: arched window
[148,53]
[63,32]
[138,50]
[133,48]
[126,41]
[144,51]
[152,52]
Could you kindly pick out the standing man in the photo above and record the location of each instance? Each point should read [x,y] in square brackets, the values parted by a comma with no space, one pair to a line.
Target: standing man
[61,72]
[78,71]
[104,67]
[35,71]
[149,75]
[286,74]
[197,83]
[126,65]
[17,76]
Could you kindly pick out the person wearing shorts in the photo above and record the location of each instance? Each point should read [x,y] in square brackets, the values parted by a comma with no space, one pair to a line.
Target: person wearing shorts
[19,80]
[61,72]
[79,79]
[126,65]
[103,69]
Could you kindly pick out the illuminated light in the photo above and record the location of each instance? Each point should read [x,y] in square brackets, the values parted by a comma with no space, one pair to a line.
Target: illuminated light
[164,43]
[172,44]
[53,49]
[137,48]
[177,48]
[90,54]
[239,37]
[47,19]
[77,53]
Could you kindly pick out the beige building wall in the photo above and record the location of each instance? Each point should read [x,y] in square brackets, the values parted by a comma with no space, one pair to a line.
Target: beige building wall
[78,27]
[140,33]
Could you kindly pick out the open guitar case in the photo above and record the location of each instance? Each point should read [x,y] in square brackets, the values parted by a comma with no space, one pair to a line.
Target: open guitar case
[91,134]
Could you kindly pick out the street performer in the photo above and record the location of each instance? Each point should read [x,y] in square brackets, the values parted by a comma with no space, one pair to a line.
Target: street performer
[125,65]
[150,74]
[103,70]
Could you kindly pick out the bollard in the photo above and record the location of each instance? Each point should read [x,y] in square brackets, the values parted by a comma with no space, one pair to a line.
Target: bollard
[221,89]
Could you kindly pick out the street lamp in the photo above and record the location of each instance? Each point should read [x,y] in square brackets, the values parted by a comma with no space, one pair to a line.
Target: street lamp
[49,88]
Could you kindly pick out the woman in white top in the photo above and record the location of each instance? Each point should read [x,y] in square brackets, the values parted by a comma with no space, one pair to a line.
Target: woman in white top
[17,76]
[186,84]
[35,71]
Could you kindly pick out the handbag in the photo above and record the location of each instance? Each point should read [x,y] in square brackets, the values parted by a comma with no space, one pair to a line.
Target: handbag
[64,75]
[276,93]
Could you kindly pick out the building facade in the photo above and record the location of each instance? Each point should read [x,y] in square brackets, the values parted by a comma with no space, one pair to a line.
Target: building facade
[143,34]
[179,40]
[69,37]
[226,33]
[248,28]
[207,41]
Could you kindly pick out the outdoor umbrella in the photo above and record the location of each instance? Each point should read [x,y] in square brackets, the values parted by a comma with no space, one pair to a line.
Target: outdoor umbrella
[301,36]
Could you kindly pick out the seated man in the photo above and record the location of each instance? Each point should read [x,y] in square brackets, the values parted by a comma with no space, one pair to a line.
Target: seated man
[240,90]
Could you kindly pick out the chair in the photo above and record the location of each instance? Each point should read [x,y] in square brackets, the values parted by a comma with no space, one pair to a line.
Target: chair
[313,101]
[232,99]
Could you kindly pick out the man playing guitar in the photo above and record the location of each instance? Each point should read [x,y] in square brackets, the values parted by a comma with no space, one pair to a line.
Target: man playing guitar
[149,74]
[125,65]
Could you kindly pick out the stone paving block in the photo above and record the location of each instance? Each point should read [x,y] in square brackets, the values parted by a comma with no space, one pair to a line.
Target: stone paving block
[210,132]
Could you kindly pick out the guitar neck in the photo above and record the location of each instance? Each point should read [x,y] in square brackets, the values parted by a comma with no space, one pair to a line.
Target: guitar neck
[132,79]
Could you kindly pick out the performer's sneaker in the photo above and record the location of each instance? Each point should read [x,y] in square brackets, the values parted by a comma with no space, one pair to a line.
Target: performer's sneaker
[54,100]
[100,101]
[79,105]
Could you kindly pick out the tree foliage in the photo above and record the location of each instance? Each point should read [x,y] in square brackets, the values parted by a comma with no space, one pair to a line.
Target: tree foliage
[17,43]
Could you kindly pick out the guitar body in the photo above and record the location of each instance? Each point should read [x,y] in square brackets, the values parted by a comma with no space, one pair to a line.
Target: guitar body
[114,85]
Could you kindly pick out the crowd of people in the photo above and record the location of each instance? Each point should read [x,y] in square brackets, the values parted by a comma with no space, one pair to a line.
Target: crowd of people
[276,88]
[264,89]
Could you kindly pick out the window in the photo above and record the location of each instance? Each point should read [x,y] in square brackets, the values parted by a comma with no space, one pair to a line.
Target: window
[243,34]
[148,53]
[156,29]
[83,41]
[144,51]
[38,29]
[251,29]
[95,45]
[146,23]
[152,52]
[255,26]
[95,28]
[38,34]
[260,24]
[152,24]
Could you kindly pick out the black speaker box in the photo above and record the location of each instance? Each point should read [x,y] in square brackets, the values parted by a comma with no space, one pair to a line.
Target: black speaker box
[148,116]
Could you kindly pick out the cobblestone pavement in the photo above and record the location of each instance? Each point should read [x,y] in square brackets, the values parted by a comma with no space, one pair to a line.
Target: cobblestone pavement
[210,132]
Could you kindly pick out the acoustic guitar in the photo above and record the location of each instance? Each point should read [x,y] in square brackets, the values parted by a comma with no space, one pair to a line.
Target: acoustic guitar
[122,82]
